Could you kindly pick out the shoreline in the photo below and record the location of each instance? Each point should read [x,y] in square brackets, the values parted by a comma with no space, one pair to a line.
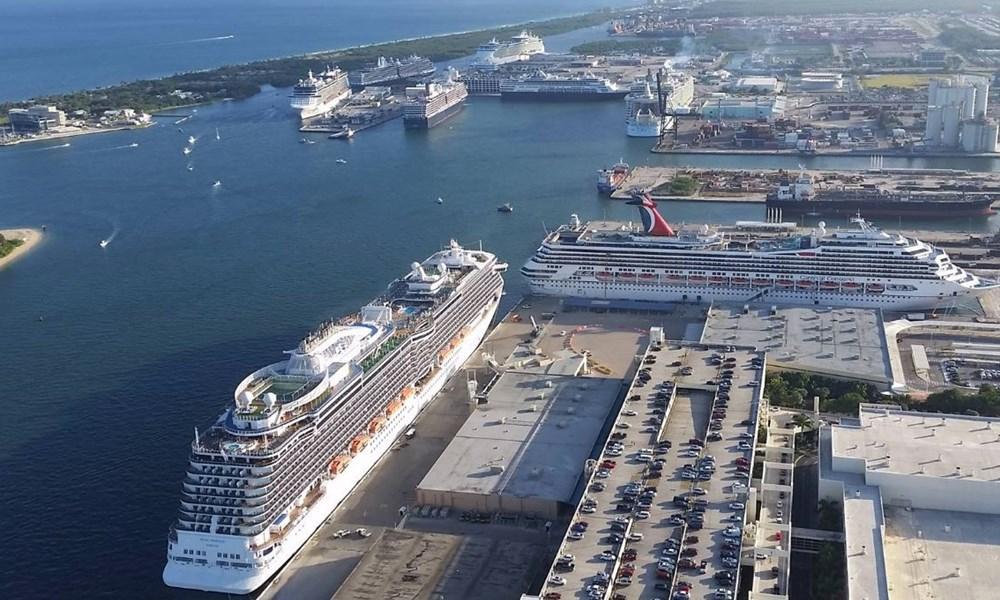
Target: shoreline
[68,134]
[31,238]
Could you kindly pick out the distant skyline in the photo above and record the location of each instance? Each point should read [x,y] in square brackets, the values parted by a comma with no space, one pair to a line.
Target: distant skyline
[55,46]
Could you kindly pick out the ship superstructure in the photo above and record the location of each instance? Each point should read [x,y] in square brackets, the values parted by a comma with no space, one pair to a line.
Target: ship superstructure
[857,266]
[493,53]
[611,178]
[432,103]
[301,433]
[392,70]
[643,116]
[321,93]
[545,86]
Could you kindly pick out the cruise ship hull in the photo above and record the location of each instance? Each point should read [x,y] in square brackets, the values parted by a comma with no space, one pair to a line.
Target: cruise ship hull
[642,129]
[315,109]
[244,581]
[889,208]
[910,300]
[562,96]
[412,122]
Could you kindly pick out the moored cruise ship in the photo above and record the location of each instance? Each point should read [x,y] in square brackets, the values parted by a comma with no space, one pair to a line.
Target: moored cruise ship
[545,86]
[432,103]
[319,94]
[392,70]
[858,266]
[301,433]
[493,53]
[642,104]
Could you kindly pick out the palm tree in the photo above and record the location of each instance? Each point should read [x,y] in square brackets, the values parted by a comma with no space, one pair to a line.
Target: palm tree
[803,421]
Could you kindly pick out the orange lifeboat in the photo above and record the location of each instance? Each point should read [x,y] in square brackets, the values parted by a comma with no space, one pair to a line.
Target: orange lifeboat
[358,443]
[376,425]
[407,392]
[393,407]
[338,463]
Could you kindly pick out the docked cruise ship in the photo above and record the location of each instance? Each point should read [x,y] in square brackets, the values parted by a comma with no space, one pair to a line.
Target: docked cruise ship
[392,70]
[545,86]
[319,94]
[301,433]
[493,53]
[642,111]
[858,266]
[432,103]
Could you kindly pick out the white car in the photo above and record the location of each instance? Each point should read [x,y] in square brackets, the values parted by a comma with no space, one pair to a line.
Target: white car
[362,532]
[613,453]
[557,580]
[642,514]
[575,535]
[635,536]
[588,509]
[736,506]
[623,425]
[629,413]
[607,555]
[603,474]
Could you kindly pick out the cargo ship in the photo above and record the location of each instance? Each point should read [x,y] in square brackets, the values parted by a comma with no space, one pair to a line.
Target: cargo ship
[899,198]
[392,70]
[428,105]
[611,178]
[298,435]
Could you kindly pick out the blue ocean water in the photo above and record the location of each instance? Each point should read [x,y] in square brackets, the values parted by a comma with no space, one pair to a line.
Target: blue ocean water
[112,356]
[49,46]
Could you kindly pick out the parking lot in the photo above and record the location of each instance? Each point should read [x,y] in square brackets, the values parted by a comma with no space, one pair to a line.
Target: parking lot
[663,514]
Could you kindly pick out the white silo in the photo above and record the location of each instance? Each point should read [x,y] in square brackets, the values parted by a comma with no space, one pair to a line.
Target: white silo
[971,135]
[932,93]
[932,133]
[982,97]
[952,117]
[991,136]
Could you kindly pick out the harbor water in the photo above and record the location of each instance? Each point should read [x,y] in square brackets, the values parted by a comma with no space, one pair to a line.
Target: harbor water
[113,355]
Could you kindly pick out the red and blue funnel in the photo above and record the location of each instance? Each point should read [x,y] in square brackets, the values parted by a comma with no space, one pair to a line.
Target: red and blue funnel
[652,220]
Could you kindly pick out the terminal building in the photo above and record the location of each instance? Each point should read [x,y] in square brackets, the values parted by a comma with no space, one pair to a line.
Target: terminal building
[921,500]
[818,82]
[762,108]
[524,448]
[35,119]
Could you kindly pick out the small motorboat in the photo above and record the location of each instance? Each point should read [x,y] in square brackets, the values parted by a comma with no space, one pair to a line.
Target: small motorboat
[341,161]
[103,243]
[307,141]
[440,200]
[217,184]
[505,208]
[187,150]
[192,139]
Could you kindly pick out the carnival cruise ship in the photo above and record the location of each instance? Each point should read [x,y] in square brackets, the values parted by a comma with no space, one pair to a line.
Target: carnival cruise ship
[859,266]
[432,103]
[545,86]
[301,433]
[319,94]
[392,70]
[493,53]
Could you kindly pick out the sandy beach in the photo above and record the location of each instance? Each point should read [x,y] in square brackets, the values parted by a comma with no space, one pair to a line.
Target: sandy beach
[31,238]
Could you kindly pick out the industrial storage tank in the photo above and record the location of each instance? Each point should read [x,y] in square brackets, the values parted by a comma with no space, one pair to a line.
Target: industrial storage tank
[952,117]
[932,133]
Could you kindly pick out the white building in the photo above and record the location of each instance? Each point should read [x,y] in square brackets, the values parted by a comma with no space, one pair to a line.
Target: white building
[743,109]
[950,103]
[921,500]
[760,84]
[814,81]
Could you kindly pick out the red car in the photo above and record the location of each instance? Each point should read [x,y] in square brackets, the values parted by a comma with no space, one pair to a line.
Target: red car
[627,570]
[683,586]
[609,464]
[629,555]
[685,563]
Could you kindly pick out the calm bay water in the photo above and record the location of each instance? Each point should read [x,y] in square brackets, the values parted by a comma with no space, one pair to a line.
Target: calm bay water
[112,356]
[49,46]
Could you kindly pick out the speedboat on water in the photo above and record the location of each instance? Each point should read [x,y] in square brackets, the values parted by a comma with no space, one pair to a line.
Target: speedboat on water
[103,243]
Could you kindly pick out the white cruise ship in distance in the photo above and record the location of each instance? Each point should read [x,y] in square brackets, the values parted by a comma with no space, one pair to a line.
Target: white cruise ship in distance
[545,86]
[493,53]
[642,111]
[432,103]
[319,94]
[858,266]
[301,433]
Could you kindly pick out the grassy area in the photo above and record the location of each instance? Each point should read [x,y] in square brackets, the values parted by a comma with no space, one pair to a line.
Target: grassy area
[896,80]
[245,80]
[8,246]
[659,46]
[683,185]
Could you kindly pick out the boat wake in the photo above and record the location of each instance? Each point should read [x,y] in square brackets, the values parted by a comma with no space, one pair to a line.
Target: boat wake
[107,241]
[217,38]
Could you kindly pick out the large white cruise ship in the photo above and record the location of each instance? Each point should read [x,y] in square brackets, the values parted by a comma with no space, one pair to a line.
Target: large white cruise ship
[493,53]
[301,433]
[319,94]
[859,266]
[642,110]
